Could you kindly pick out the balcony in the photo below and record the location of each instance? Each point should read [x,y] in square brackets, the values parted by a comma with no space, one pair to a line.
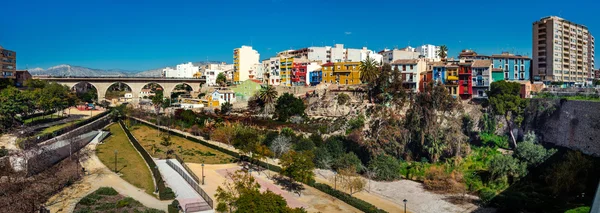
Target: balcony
[452,78]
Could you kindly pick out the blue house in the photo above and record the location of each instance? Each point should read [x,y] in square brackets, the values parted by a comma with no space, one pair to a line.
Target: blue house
[512,67]
[316,77]
[439,72]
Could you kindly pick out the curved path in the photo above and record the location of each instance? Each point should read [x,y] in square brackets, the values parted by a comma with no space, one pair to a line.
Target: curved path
[98,176]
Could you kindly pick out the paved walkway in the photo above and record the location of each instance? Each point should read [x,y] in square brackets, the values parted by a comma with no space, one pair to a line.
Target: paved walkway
[99,176]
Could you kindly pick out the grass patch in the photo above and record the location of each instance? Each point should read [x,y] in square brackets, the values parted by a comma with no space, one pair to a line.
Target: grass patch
[190,151]
[106,199]
[129,163]
[57,127]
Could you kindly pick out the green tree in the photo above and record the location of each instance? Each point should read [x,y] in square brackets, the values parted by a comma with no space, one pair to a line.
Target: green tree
[226,108]
[368,74]
[505,166]
[298,166]
[267,96]
[304,144]
[221,80]
[11,99]
[505,100]
[385,168]
[531,152]
[443,52]
[254,201]
[348,160]
[157,101]
[288,106]
[236,184]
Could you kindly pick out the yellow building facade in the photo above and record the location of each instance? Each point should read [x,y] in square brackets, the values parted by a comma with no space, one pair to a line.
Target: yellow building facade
[342,73]
[452,79]
[286,65]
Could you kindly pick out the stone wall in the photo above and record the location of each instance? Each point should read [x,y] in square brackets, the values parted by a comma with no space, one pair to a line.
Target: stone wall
[572,124]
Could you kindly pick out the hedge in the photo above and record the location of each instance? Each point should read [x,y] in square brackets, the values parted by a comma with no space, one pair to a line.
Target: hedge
[23,118]
[347,198]
[45,120]
[164,193]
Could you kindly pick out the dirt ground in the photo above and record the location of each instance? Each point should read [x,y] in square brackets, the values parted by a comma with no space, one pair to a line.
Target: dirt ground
[312,199]
[389,194]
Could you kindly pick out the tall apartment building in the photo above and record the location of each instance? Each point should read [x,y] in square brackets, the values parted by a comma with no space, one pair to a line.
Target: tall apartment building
[8,64]
[188,70]
[563,51]
[272,68]
[429,51]
[244,60]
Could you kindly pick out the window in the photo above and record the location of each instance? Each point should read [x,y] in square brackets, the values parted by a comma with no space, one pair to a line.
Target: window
[480,93]
[516,75]
[403,67]
[522,76]
[411,66]
[505,75]
[506,67]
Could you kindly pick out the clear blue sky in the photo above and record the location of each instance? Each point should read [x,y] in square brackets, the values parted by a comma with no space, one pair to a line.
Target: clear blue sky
[140,35]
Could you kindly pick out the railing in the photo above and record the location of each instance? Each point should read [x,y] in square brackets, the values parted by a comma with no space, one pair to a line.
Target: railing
[159,182]
[194,176]
[193,184]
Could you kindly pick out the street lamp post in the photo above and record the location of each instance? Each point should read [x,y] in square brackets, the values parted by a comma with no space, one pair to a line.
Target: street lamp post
[116,160]
[334,180]
[405,205]
[202,173]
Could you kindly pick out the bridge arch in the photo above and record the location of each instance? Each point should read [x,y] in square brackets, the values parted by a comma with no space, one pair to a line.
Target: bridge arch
[117,95]
[150,85]
[80,91]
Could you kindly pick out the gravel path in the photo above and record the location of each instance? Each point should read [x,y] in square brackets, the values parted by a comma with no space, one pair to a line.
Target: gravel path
[419,199]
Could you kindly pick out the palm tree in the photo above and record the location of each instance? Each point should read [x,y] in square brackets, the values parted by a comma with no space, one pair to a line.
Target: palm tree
[267,95]
[368,73]
[443,52]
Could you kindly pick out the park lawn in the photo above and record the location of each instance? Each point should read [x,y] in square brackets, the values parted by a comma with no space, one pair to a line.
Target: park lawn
[190,151]
[129,162]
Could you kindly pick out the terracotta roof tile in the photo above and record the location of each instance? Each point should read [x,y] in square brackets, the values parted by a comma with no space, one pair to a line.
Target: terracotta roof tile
[496,70]
[482,63]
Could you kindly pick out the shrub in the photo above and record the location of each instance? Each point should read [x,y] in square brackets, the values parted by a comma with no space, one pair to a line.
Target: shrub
[122,203]
[106,191]
[582,209]
[436,179]
[304,144]
[356,123]
[504,166]
[348,160]
[487,194]
[385,168]
[490,139]
[167,194]
[87,201]
[533,154]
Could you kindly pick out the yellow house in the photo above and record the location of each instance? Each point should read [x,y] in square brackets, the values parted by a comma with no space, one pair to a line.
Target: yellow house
[342,73]
[452,79]
[286,65]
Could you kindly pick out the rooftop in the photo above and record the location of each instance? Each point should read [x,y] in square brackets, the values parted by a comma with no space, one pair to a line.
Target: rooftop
[406,61]
[482,63]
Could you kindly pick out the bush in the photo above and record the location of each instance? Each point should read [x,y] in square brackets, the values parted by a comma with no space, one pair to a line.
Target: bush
[583,209]
[304,144]
[385,168]
[348,160]
[167,194]
[533,154]
[436,179]
[87,201]
[106,191]
[487,194]
[356,123]
[124,202]
[490,139]
[505,166]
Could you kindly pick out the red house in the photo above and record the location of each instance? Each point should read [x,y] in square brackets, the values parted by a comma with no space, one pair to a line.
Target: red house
[299,74]
[465,83]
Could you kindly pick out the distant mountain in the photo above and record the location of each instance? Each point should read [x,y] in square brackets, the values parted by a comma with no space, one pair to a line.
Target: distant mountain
[69,70]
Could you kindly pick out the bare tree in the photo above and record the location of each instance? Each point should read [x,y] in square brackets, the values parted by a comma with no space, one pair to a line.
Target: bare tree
[281,144]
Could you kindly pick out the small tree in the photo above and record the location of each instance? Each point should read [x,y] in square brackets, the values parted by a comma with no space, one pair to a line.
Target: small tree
[505,166]
[298,166]
[287,106]
[226,108]
[236,184]
[350,180]
[280,145]
[385,168]
[221,80]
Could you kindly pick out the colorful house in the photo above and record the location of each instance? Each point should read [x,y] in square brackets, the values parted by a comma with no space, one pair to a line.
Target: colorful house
[247,89]
[286,65]
[411,70]
[512,67]
[465,89]
[299,73]
[439,72]
[342,73]
[219,97]
[481,76]
[452,79]
[316,77]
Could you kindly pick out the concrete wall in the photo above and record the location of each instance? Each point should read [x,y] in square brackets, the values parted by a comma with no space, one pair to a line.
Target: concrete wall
[574,124]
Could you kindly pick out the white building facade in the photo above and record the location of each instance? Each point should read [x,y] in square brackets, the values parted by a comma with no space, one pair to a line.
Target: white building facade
[429,51]
[244,58]
[181,71]
[390,56]
[271,66]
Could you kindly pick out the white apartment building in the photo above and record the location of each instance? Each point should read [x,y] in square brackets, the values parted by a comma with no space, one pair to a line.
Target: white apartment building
[328,54]
[375,56]
[389,56]
[256,71]
[244,58]
[563,51]
[181,71]
[430,52]
[211,71]
[271,66]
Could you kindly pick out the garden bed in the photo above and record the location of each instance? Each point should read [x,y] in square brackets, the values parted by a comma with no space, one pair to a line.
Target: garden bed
[107,199]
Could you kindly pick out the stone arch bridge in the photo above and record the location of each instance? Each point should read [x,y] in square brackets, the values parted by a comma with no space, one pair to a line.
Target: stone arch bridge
[135,83]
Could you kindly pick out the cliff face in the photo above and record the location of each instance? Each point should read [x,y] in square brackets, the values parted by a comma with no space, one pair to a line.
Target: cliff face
[572,124]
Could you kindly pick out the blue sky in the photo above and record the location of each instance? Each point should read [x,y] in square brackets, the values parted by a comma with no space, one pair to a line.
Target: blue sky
[141,35]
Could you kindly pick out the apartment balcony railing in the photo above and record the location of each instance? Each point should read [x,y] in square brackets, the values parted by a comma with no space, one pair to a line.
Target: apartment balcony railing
[452,78]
